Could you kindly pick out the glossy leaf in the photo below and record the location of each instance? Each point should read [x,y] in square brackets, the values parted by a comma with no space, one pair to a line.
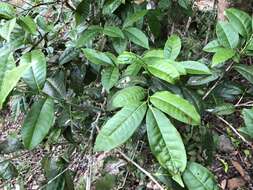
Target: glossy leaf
[176,107]
[28,24]
[161,68]
[110,76]
[127,58]
[133,69]
[166,143]
[241,21]
[195,67]
[110,6]
[212,46]
[246,71]
[88,35]
[119,44]
[35,77]
[82,11]
[37,123]
[97,57]
[172,47]
[113,31]
[7,28]
[222,55]
[7,11]
[197,177]
[137,37]
[227,35]
[127,96]
[130,20]
[120,127]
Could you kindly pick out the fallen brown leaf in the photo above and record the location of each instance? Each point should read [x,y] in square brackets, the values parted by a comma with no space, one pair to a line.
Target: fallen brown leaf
[235,183]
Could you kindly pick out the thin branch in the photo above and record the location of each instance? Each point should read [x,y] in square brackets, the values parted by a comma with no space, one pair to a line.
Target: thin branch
[141,169]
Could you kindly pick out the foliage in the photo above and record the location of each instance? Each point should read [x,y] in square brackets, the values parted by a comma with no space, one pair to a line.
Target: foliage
[103,70]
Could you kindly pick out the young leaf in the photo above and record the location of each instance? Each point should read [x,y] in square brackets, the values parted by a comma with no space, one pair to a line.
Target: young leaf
[172,47]
[246,71]
[127,96]
[35,77]
[137,36]
[130,20]
[110,6]
[113,31]
[222,55]
[82,11]
[197,177]
[97,57]
[166,143]
[120,127]
[227,35]
[154,53]
[9,78]
[7,28]
[88,35]
[241,21]
[212,46]
[28,24]
[110,76]
[176,107]
[37,123]
[7,11]
[195,67]
[161,68]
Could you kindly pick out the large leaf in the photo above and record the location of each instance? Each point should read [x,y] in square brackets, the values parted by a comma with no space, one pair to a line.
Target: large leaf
[137,36]
[110,76]
[212,46]
[97,57]
[113,31]
[176,107]
[82,11]
[195,67]
[241,21]
[35,77]
[222,55]
[246,71]
[37,123]
[6,11]
[28,24]
[7,28]
[197,177]
[130,20]
[172,47]
[110,6]
[127,96]
[120,127]
[227,36]
[9,78]
[119,44]
[162,69]
[166,143]
[127,58]
[88,35]
[248,120]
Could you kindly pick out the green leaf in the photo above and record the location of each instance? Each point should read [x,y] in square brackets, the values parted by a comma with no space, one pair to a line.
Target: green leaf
[202,80]
[7,28]
[197,177]
[212,46]
[222,55]
[68,55]
[241,21]
[9,78]
[176,107]
[7,11]
[35,77]
[37,123]
[28,24]
[113,31]
[195,67]
[223,109]
[227,36]
[248,120]
[119,45]
[184,3]
[82,11]
[172,47]
[127,58]
[166,143]
[120,127]
[7,170]
[161,68]
[110,77]
[88,35]
[246,71]
[133,69]
[111,6]
[130,20]
[127,96]
[137,37]
[97,57]
[154,53]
